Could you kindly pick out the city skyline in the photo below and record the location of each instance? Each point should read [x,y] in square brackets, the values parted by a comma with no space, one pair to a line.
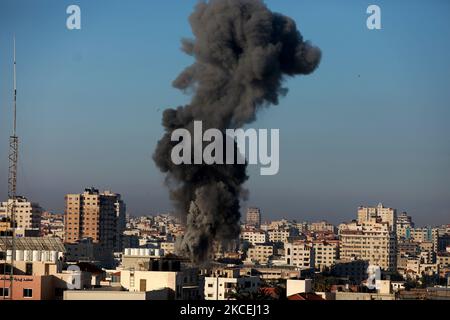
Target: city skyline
[393,150]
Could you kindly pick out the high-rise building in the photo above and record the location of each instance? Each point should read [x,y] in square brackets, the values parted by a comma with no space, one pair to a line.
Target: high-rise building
[121,222]
[378,214]
[253,217]
[91,215]
[404,226]
[27,214]
[373,242]
[372,237]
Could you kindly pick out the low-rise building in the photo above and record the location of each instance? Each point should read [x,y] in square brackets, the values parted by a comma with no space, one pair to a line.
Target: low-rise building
[326,253]
[260,253]
[354,270]
[225,284]
[254,236]
[299,254]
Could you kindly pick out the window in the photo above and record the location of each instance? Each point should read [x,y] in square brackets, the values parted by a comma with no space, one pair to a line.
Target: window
[28,293]
[29,269]
[4,292]
[210,285]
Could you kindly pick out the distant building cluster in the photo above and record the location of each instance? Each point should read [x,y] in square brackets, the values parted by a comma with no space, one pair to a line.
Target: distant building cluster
[96,251]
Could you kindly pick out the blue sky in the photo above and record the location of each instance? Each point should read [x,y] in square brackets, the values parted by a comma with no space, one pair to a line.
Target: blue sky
[370,125]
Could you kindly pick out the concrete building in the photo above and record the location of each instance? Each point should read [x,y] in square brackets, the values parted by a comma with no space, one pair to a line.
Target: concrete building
[272,273]
[254,236]
[38,270]
[372,214]
[86,250]
[260,253]
[281,235]
[426,234]
[374,242]
[354,270]
[94,221]
[27,214]
[326,253]
[120,223]
[443,259]
[298,286]
[168,247]
[91,215]
[222,284]
[299,254]
[253,217]
[443,242]
[164,285]
[322,226]
[404,226]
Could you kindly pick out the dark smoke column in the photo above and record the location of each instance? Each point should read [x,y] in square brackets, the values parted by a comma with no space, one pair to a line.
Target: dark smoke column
[242,53]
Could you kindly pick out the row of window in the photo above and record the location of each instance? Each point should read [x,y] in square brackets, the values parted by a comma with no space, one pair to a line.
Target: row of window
[26,293]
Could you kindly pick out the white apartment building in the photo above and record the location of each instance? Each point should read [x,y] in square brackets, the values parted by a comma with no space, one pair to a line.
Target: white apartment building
[260,253]
[229,282]
[163,285]
[254,236]
[299,254]
[27,214]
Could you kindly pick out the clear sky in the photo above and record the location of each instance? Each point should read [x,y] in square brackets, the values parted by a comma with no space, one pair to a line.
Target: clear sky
[370,125]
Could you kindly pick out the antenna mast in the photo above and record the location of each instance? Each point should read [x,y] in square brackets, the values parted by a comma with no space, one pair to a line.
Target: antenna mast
[12,176]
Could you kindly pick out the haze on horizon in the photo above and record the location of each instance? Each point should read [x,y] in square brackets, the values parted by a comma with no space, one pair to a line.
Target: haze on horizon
[369,126]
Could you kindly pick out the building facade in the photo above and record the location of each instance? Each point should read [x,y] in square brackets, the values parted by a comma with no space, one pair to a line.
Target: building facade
[299,254]
[27,214]
[253,217]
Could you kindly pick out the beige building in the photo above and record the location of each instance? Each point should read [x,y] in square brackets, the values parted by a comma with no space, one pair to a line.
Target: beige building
[163,285]
[168,247]
[91,215]
[294,286]
[378,214]
[326,253]
[374,242]
[426,234]
[443,259]
[322,226]
[260,253]
[279,236]
[27,214]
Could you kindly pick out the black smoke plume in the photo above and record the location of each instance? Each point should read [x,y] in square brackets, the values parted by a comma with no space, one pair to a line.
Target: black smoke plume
[243,52]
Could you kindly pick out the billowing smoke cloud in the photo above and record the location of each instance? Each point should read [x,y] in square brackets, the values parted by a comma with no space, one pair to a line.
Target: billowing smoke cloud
[242,53]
